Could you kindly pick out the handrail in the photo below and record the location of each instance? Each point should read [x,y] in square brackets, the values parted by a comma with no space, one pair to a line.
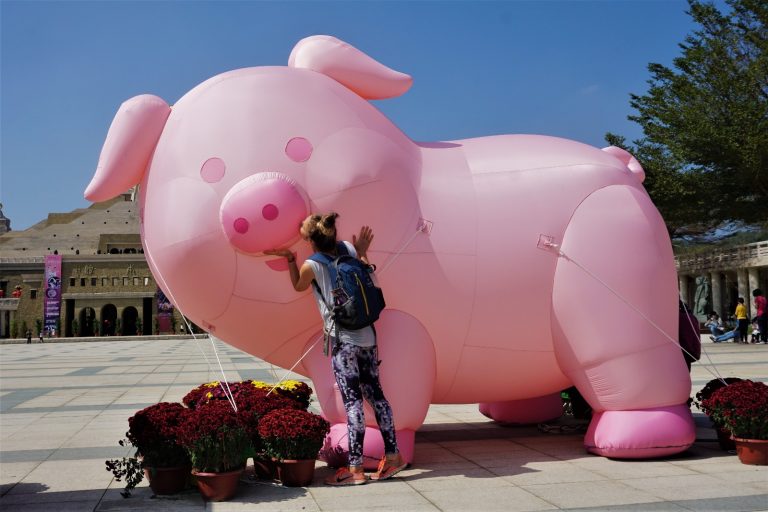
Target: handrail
[9,304]
[729,258]
[27,259]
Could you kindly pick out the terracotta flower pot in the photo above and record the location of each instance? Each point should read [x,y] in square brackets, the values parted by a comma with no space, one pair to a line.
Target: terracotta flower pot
[168,480]
[752,451]
[296,473]
[265,468]
[724,439]
[218,486]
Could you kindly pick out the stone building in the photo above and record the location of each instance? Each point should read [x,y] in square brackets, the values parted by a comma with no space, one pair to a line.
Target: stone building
[713,281]
[106,285]
[5,222]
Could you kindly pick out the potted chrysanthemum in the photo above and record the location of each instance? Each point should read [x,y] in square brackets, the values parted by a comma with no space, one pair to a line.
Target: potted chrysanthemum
[742,408]
[723,435]
[294,438]
[254,399]
[153,431]
[218,445]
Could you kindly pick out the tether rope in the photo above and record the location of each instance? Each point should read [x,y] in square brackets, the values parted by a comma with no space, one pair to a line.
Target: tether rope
[223,383]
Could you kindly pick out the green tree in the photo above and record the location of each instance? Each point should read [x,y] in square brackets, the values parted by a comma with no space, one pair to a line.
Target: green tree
[705,121]
[680,196]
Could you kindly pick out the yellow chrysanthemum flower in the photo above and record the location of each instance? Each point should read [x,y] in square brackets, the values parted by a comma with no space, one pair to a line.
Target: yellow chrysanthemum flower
[290,385]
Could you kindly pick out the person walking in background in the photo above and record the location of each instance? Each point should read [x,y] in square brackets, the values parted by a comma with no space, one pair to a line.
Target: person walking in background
[741,319]
[29,336]
[761,315]
[40,335]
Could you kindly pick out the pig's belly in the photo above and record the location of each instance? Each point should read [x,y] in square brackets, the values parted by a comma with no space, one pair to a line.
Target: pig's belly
[492,374]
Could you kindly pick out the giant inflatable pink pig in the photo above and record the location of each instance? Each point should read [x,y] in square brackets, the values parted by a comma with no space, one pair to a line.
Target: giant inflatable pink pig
[513,266]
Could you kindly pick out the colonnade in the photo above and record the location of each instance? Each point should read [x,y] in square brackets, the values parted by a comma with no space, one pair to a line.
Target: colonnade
[714,281]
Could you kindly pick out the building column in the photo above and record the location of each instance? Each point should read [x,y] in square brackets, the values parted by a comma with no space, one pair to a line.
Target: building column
[11,320]
[743,283]
[682,281]
[717,294]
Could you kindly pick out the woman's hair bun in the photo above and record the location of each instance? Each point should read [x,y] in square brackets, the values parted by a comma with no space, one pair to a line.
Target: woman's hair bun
[329,221]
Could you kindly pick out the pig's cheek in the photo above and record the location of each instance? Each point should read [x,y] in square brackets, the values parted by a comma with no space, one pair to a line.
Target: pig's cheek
[200,274]
[346,159]
[180,210]
[188,249]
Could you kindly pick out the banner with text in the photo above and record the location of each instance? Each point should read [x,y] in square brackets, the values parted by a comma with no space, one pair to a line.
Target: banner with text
[52,297]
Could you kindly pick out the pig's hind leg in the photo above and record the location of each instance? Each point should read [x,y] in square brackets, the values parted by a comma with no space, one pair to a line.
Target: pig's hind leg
[614,323]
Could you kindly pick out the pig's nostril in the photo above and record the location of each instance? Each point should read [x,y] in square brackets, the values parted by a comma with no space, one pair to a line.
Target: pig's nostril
[241,225]
[270,212]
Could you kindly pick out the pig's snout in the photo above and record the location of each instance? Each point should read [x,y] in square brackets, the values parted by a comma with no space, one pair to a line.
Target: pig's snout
[263,211]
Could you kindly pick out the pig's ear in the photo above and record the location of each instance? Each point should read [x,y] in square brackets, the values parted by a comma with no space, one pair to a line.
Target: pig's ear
[627,159]
[349,66]
[131,140]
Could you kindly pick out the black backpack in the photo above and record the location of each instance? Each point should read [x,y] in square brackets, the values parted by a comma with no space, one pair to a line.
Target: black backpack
[357,301]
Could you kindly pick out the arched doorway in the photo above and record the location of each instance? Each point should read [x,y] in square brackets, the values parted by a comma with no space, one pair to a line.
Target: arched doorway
[86,323]
[108,320]
[130,314]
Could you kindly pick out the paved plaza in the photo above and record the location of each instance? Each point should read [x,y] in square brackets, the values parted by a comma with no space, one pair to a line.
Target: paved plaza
[64,406]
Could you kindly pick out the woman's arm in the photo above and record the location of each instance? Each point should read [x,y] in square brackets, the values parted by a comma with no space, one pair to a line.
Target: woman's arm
[301,279]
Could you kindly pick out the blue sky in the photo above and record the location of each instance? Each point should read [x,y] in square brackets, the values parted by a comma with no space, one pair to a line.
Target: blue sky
[562,68]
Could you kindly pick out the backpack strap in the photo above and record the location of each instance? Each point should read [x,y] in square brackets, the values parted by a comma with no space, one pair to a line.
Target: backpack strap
[326,340]
[330,264]
[329,261]
[341,249]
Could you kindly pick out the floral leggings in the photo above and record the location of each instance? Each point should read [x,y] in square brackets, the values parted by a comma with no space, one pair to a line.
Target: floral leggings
[357,374]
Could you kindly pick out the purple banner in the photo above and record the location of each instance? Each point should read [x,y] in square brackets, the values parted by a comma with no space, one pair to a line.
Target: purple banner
[52,296]
[164,312]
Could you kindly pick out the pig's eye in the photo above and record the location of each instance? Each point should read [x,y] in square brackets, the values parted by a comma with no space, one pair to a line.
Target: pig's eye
[298,149]
[213,170]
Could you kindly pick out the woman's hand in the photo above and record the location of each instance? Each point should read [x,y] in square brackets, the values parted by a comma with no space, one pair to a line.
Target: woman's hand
[285,253]
[363,241]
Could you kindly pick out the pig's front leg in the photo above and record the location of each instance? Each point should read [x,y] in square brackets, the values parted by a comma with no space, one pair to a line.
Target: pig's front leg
[406,373]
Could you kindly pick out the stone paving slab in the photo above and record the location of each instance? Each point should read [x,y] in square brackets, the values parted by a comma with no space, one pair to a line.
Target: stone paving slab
[64,406]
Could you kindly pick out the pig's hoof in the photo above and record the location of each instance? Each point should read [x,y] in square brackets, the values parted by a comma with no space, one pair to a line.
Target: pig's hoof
[641,434]
[335,451]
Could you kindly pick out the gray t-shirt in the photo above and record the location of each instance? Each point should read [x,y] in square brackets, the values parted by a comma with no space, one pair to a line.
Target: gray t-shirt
[364,337]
